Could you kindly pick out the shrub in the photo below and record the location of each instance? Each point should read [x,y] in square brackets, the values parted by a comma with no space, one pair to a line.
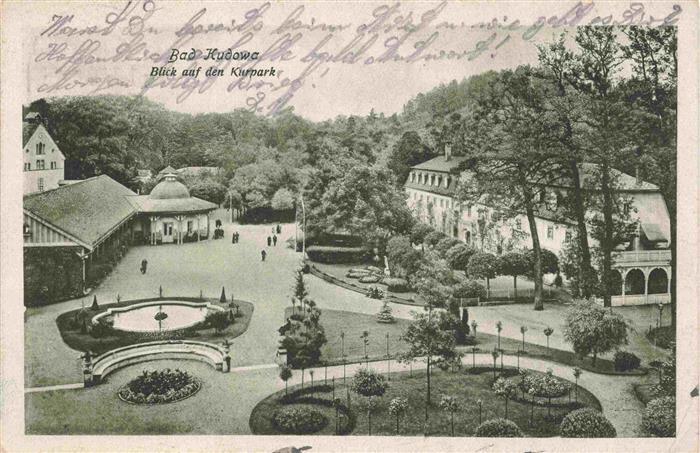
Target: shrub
[374,292]
[659,418]
[369,279]
[469,289]
[299,420]
[158,387]
[434,237]
[546,385]
[331,254]
[625,361]
[367,382]
[396,285]
[445,244]
[384,315]
[498,427]
[586,422]
[558,282]
[419,232]
[101,328]
[218,320]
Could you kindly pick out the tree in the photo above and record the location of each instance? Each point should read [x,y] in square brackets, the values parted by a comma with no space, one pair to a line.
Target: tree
[483,265]
[458,256]
[384,315]
[510,162]
[548,331]
[362,202]
[591,329]
[404,260]
[407,152]
[515,264]
[428,341]
[219,320]
[222,299]
[398,407]
[446,244]
[285,375]
[370,384]
[209,190]
[282,200]
[300,291]
[450,404]
[523,329]
[499,327]
[419,231]
[577,374]
[506,389]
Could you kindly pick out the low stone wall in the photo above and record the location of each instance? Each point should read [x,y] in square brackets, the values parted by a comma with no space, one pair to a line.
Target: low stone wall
[157,350]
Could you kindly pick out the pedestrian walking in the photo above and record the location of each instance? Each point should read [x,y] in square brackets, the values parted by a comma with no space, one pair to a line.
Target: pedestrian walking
[274,240]
[263,254]
[228,363]
[279,229]
[269,241]
[144,266]
[233,238]
[237,235]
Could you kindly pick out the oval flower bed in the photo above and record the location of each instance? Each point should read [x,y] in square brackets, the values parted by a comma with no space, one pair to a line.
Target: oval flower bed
[160,387]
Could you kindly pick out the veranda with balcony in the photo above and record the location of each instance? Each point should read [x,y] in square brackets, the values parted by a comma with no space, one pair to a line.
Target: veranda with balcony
[642,277]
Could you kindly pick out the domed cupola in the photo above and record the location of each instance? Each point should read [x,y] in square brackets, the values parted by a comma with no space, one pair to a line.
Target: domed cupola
[169,188]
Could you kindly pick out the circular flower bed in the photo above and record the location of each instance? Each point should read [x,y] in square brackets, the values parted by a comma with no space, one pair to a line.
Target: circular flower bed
[160,387]
[299,420]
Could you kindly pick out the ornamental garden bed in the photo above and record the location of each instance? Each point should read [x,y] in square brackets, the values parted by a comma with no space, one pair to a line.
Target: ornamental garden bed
[160,387]
[467,388]
[76,333]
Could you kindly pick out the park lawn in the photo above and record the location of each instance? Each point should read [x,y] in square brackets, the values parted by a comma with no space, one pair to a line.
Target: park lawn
[85,342]
[352,325]
[510,347]
[468,388]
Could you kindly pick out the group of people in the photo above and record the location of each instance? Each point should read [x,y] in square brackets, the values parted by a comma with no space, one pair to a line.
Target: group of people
[271,240]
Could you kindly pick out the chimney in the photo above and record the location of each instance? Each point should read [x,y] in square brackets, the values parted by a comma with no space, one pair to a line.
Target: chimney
[448,151]
[638,175]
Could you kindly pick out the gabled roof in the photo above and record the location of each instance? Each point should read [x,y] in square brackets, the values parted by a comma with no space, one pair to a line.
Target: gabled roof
[89,209]
[28,130]
[625,182]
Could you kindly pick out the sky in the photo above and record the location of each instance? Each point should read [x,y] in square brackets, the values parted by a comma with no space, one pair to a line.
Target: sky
[397,51]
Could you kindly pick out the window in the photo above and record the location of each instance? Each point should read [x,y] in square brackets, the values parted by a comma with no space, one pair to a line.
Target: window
[40,148]
[41,184]
[40,164]
[518,223]
[413,177]
[468,237]
[189,226]
[442,203]
[550,232]
[439,181]
[447,181]
[27,166]
[53,165]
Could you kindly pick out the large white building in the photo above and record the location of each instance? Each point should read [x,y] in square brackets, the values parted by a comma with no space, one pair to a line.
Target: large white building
[642,264]
[43,160]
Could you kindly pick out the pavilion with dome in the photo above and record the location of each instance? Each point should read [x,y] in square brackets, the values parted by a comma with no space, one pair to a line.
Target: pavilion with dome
[170,215]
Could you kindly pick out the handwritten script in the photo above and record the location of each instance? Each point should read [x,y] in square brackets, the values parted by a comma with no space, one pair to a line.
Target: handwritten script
[77,53]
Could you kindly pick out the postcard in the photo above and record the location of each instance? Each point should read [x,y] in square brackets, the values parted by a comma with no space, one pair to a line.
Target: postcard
[294,226]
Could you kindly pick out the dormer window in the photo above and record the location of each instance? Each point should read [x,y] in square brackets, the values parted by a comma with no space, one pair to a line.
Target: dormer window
[447,181]
[439,180]
[413,177]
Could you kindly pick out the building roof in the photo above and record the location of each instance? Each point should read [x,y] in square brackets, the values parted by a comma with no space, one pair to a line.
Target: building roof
[88,209]
[28,130]
[439,163]
[625,182]
[169,188]
[148,205]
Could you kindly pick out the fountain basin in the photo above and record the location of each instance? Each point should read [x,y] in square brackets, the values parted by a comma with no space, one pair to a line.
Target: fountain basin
[141,317]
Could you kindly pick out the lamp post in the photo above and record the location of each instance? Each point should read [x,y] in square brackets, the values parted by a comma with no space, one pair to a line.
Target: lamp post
[661,309]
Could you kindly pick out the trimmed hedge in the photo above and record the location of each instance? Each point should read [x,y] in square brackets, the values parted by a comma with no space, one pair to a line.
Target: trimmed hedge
[498,427]
[330,254]
[659,417]
[626,361]
[396,285]
[586,422]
